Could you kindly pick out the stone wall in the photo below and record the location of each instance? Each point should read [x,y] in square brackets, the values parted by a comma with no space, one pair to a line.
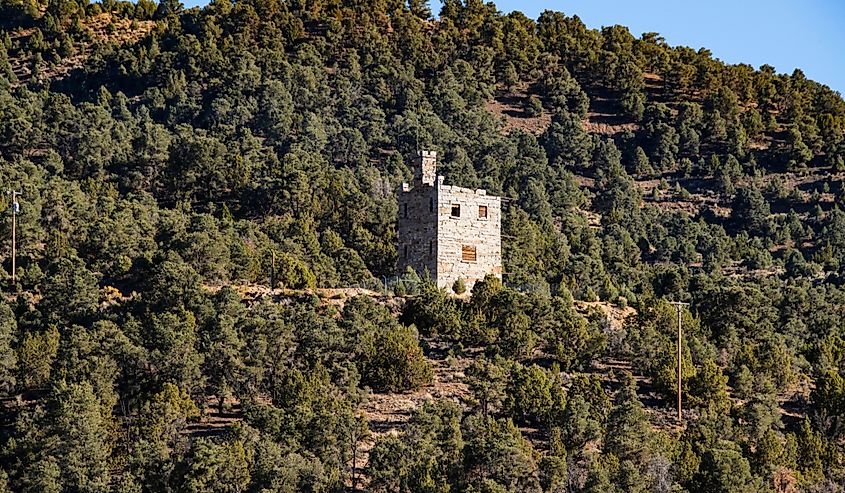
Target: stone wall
[417,230]
[467,230]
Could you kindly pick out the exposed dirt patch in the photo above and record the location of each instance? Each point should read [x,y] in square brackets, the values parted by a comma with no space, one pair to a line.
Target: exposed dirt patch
[103,28]
[108,28]
[616,315]
[330,296]
[510,109]
[388,413]
[593,124]
[212,422]
[604,116]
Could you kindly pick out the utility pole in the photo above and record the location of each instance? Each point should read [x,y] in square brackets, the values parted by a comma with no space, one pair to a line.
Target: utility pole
[678,307]
[273,272]
[15,209]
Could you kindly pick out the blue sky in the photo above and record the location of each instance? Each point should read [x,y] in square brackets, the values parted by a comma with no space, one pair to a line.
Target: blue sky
[787,34]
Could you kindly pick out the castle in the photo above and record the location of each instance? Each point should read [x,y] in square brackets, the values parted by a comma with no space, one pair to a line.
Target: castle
[450,232]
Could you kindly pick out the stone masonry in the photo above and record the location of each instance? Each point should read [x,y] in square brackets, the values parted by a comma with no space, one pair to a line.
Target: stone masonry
[446,231]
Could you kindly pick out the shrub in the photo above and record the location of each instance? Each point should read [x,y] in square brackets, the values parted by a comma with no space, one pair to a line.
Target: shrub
[395,362]
[533,107]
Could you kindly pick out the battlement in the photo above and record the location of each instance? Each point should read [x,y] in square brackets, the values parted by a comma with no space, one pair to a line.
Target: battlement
[425,173]
[457,189]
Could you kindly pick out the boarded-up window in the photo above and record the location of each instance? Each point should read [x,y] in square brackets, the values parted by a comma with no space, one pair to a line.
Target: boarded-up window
[468,253]
[482,211]
[456,210]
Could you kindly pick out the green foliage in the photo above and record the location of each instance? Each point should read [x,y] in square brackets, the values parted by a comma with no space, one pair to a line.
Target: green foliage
[487,380]
[223,346]
[426,458]
[725,470]
[69,289]
[642,166]
[35,356]
[585,413]
[829,399]
[65,446]
[751,211]
[565,141]
[313,416]
[708,388]
[253,143]
[498,457]
[277,469]
[293,273]
[761,413]
[553,467]
[617,198]
[167,414]
[628,426]
[533,107]
[534,395]
[571,338]
[459,287]
[652,336]
[8,358]
[433,312]
[390,356]
[217,467]
[396,362]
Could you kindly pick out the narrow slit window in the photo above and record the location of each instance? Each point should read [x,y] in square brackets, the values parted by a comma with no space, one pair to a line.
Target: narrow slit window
[456,210]
[431,204]
[405,210]
[468,253]
[431,247]
[482,212]
[405,251]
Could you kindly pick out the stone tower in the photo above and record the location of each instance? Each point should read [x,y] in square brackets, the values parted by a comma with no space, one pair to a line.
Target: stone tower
[426,170]
[447,231]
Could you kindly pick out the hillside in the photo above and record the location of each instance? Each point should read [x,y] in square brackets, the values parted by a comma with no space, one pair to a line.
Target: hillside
[172,161]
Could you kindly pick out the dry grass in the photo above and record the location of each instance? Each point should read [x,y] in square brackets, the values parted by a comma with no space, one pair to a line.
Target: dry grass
[103,28]
[513,116]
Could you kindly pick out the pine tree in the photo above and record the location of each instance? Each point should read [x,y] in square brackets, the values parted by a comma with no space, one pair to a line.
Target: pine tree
[628,426]
[8,357]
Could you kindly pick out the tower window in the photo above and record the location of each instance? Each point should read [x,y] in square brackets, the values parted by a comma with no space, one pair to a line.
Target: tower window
[482,212]
[405,210]
[468,253]
[431,204]
[405,251]
[456,210]
[431,247]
